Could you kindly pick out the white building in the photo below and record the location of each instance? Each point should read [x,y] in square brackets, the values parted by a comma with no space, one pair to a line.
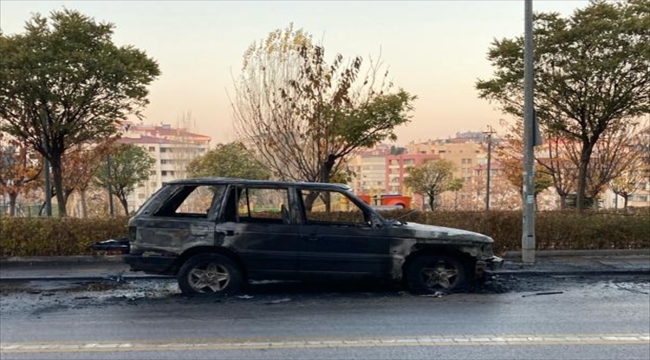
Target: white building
[171,148]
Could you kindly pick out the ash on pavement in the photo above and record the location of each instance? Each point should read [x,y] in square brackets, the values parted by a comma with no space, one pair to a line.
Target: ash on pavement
[39,298]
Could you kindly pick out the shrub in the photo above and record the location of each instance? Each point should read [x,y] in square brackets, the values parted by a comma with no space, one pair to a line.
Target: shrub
[555,230]
[56,236]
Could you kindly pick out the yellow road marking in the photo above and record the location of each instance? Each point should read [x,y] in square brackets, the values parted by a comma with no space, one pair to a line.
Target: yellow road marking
[307,343]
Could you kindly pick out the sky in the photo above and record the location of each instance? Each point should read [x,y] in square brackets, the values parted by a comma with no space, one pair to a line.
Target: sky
[433,49]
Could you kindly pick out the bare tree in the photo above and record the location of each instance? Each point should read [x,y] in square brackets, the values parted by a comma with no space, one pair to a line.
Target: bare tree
[613,155]
[303,116]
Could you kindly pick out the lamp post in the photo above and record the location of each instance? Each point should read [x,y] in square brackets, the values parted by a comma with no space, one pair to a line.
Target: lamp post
[528,198]
[488,133]
[46,169]
[111,209]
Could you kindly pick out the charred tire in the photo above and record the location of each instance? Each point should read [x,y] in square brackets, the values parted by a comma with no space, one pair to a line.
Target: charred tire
[210,274]
[428,274]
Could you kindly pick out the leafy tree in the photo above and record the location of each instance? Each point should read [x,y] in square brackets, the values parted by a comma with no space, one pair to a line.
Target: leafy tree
[130,167]
[305,115]
[432,179]
[63,82]
[509,152]
[512,171]
[80,164]
[592,73]
[642,144]
[228,160]
[456,185]
[19,168]
[626,184]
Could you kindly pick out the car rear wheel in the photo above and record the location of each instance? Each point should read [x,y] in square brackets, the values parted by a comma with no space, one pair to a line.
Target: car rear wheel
[210,274]
[436,273]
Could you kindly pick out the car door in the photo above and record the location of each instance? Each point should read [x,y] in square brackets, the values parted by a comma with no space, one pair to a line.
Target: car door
[257,225]
[182,217]
[341,241]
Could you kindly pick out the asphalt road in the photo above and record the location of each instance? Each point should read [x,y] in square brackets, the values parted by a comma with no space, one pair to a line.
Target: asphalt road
[512,318]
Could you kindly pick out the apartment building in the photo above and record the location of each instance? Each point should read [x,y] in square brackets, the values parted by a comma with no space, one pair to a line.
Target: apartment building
[464,153]
[397,169]
[171,148]
[369,169]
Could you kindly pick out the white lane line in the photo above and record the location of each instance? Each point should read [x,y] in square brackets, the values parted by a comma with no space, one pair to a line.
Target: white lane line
[503,340]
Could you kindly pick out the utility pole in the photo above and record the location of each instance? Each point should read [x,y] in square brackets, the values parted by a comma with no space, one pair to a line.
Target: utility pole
[489,167]
[111,209]
[528,198]
[46,169]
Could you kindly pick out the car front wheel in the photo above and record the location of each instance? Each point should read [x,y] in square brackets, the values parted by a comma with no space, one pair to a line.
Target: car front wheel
[212,274]
[433,273]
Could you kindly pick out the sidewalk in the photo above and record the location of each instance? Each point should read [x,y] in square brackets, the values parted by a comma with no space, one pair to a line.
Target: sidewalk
[84,268]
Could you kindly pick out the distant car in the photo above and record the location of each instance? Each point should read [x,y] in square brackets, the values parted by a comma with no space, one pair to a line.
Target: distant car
[215,234]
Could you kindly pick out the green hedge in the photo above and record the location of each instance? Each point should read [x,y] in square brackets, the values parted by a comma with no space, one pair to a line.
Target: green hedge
[554,230]
[56,236]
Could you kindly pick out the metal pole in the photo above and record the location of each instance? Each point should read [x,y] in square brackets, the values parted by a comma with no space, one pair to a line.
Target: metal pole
[489,168]
[46,170]
[111,209]
[528,233]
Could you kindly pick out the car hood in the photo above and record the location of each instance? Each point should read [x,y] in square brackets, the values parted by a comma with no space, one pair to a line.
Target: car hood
[428,232]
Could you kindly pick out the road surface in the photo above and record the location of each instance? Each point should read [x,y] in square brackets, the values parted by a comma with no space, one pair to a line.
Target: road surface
[508,318]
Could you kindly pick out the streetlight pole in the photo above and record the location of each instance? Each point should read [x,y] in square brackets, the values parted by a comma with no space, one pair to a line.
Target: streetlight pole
[528,233]
[111,209]
[489,167]
[46,169]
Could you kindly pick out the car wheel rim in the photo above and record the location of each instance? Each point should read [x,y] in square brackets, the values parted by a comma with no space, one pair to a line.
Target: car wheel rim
[440,275]
[210,277]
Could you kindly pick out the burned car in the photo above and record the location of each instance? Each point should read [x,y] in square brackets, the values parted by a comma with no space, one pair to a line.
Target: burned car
[215,234]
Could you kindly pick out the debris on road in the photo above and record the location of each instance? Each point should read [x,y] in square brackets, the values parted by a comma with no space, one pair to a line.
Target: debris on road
[279,301]
[544,293]
[437,294]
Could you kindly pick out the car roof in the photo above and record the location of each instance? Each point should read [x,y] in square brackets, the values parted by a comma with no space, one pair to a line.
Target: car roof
[270,183]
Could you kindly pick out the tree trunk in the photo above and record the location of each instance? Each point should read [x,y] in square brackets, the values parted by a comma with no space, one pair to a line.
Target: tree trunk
[562,201]
[625,202]
[84,205]
[432,201]
[125,205]
[57,179]
[326,171]
[12,203]
[309,200]
[585,156]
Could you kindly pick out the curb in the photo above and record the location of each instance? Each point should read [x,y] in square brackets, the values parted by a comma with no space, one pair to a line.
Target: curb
[83,278]
[54,260]
[118,258]
[551,253]
[573,272]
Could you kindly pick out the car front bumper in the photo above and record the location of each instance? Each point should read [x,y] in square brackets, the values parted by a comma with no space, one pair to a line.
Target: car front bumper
[491,263]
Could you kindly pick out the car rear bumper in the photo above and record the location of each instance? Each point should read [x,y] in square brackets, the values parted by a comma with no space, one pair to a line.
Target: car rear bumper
[151,264]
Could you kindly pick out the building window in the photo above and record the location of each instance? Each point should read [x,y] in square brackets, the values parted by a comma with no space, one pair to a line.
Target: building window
[162,150]
[166,172]
[152,172]
[152,148]
[166,161]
